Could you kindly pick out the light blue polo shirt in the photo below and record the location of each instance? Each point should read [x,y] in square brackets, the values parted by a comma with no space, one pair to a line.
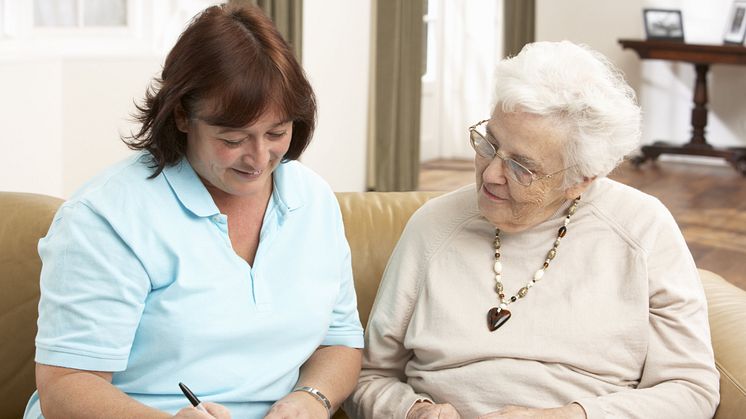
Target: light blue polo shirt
[139,278]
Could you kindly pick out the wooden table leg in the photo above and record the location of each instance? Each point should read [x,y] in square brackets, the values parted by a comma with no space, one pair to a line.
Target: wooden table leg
[699,111]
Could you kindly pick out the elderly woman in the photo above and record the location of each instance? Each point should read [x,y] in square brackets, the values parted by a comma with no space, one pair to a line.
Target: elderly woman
[211,257]
[551,292]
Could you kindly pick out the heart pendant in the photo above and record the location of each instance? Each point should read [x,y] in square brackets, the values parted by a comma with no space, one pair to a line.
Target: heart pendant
[496,317]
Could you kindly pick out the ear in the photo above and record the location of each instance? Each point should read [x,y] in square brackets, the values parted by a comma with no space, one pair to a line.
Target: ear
[579,188]
[180,116]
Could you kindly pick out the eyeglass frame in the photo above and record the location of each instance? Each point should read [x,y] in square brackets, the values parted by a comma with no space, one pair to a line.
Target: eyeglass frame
[509,162]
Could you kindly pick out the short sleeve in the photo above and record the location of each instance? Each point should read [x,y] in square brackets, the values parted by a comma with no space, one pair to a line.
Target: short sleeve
[93,291]
[345,328]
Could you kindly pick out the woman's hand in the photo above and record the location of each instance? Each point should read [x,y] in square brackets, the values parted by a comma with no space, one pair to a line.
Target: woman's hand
[297,405]
[425,410]
[571,411]
[215,411]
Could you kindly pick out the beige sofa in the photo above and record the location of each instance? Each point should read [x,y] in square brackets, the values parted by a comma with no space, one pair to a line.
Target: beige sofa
[373,224]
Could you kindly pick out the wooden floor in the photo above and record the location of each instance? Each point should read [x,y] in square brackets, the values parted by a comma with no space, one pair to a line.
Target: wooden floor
[708,202]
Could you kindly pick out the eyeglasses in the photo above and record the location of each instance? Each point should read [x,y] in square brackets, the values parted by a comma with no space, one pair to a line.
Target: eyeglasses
[517,171]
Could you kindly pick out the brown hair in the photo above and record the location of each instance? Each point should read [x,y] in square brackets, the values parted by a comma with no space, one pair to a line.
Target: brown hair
[233,57]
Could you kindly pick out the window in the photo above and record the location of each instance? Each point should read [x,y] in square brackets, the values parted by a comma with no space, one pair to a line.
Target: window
[80,13]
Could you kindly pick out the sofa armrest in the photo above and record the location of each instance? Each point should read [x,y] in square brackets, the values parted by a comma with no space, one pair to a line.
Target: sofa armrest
[25,219]
[727,312]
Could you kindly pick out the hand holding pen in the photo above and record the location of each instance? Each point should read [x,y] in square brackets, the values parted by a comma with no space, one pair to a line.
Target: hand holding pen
[201,410]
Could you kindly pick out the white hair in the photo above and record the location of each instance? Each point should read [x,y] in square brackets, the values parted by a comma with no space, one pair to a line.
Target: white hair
[584,92]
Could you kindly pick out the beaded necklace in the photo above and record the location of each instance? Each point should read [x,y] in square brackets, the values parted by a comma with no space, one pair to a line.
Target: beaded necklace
[497,316]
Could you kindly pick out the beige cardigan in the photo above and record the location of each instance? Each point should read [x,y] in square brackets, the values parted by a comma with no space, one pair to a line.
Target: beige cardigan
[617,324]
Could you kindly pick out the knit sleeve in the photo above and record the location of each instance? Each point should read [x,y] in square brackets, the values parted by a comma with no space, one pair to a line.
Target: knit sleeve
[382,390]
[678,378]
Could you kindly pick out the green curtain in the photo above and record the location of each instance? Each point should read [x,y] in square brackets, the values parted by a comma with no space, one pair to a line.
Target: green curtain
[520,23]
[394,154]
[288,18]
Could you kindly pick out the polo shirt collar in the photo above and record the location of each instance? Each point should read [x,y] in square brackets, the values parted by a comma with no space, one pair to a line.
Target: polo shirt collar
[193,195]
[287,190]
[189,189]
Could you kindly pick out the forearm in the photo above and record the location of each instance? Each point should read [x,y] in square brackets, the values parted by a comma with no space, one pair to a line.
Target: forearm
[72,394]
[666,400]
[379,394]
[333,370]
[571,411]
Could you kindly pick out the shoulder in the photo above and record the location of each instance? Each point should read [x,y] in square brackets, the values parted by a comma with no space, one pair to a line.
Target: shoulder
[297,186]
[632,213]
[297,178]
[441,218]
[127,177]
[120,191]
[446,209]
[95,211]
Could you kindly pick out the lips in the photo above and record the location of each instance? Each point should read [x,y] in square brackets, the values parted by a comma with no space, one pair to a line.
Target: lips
[494,195]
[249,172]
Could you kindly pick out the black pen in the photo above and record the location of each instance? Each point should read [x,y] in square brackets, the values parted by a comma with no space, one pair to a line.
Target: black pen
[192,398]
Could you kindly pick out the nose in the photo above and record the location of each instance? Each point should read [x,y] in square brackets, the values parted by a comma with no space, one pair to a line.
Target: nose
[495,172]
[256,154]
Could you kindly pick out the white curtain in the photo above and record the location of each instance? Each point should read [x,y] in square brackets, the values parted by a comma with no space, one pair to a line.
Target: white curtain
[471,45]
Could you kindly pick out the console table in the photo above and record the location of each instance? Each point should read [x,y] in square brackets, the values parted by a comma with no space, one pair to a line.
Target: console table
[702,56]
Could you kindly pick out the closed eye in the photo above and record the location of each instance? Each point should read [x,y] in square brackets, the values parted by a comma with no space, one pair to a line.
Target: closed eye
[231,143]
[276,135]
[526,162]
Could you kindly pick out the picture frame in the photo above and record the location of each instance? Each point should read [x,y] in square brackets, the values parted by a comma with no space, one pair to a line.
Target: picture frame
[735,25]
[663,24]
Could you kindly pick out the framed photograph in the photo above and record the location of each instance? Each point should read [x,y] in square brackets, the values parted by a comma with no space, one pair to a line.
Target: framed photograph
[663,24]
[735,26]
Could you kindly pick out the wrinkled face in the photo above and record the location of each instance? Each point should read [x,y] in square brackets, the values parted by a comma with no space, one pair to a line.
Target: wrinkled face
[535,142]
[237,161]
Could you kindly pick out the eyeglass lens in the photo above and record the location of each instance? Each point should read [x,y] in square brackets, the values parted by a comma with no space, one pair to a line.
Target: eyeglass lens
[483,147]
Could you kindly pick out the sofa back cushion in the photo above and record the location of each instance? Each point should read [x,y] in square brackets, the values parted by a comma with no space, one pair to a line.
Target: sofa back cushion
[373,223]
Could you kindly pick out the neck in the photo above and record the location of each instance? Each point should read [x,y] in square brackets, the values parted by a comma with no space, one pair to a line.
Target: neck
[226,201]
[554,209]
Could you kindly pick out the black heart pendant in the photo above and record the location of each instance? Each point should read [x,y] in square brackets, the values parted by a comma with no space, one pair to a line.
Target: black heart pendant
[496,317]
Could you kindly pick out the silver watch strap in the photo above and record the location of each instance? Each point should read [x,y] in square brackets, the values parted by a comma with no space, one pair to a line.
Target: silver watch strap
[318,396]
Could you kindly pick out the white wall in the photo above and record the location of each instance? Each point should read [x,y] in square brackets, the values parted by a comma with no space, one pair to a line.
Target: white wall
[61,118]
[31,121]
[98,97]
[665,88]
[336,57]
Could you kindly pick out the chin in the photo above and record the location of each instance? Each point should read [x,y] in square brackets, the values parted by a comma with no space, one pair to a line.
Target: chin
[492,211]
[499,215]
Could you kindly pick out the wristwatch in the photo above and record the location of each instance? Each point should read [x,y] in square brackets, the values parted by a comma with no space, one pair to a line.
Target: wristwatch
[318,396]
